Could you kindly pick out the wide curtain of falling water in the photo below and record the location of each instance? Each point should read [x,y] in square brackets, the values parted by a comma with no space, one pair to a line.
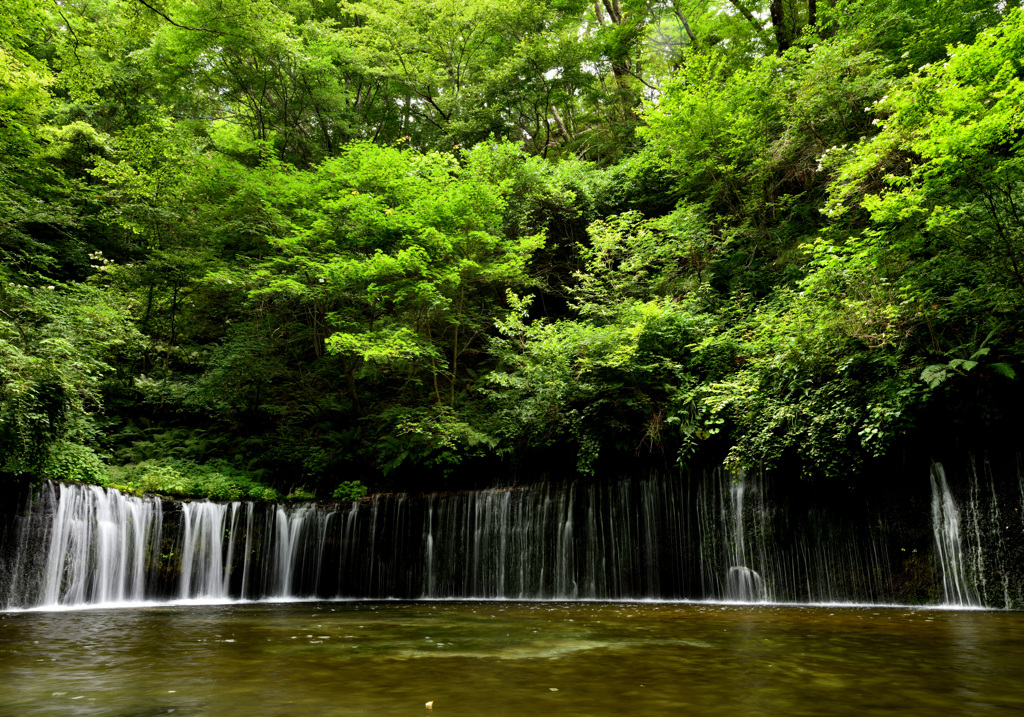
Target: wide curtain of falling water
[713,536]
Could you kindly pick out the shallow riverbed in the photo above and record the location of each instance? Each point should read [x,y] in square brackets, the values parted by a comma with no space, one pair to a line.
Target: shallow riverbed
[500,658]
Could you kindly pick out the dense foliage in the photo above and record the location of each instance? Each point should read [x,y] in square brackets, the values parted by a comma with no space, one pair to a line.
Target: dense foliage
[297,247]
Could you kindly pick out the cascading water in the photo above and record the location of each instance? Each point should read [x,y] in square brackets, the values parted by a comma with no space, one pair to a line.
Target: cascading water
[991,539]
[299,544]
[205,559]
[101,547]
[743,584]
[81,545]
[948,549]
[709,536]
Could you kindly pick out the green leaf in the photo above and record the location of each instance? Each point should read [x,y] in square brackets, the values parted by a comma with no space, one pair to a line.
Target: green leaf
[1003,369]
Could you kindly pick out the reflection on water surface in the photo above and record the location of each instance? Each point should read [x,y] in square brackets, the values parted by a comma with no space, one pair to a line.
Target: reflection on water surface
[496,659]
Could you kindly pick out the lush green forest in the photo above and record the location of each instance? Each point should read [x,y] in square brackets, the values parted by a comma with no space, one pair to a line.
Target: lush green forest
[297,247]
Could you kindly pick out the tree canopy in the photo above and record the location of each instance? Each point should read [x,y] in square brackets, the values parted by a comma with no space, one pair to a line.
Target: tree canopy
[314,245]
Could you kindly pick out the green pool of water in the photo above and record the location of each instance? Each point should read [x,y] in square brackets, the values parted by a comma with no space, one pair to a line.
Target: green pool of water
[494,659]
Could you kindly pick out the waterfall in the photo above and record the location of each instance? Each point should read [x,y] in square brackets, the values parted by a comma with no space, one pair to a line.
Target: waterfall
[102,546]
[429,582]
[989,537]
[705,536]
[202,554]
[948,549]
[250,516]
[742,583]
[288,527]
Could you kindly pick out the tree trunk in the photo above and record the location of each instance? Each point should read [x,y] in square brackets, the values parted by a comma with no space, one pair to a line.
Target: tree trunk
[783,38]
[149,307]
[686,26]
[749,16]
[174,311]
[560,123]
[350,379]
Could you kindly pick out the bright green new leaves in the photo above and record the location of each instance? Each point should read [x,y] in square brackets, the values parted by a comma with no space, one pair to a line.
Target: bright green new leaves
[438,51]
[457,71]
[632,259]
[745,143]
[624,374]
[412,255]
[30,192]
[628,384]
[400,263]
[151,177]
[911,33]
[821,377]
[921,263]
[23,98]
[948,160]
[943,188]
[57,347]
[355,236]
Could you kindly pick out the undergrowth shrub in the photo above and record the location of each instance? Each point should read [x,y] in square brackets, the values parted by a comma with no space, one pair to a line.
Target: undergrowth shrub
[216,480]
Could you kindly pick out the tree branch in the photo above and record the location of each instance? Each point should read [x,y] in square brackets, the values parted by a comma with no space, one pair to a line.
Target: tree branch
[183,27]
[686,25]
[738,4]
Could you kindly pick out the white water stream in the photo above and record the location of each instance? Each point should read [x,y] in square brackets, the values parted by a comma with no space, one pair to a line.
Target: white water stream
[710,537]
[948,547]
